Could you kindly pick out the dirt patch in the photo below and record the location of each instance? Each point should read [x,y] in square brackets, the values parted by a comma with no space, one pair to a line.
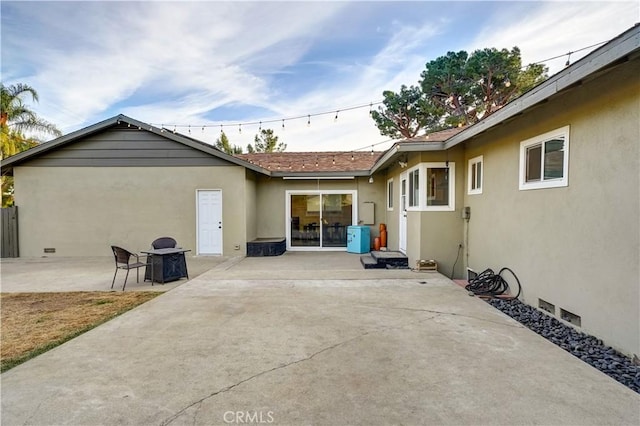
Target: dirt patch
[33,323]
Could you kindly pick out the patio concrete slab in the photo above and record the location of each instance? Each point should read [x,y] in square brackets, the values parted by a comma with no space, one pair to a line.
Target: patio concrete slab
[226,350]
[53,274]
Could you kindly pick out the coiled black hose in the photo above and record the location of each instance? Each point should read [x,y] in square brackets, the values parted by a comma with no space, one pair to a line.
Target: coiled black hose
[488,283]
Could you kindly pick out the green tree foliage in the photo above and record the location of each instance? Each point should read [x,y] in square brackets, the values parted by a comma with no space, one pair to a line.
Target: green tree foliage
[16,118]
[457,89]
[15,114]
[405,113]
[223,144]
[266,141]
[469,88]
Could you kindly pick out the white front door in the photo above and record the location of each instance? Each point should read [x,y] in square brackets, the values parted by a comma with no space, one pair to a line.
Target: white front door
[402,228]
[209,222]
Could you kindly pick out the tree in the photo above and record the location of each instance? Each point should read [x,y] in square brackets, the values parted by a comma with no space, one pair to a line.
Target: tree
[223,144]
[16,118]
[16,114]
[404,114]
[266,141]
[457,89]
[469,88]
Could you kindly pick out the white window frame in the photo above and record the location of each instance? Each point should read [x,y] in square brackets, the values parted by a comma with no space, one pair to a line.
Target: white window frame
[390,194]
[470,174]
[541,140]
[411,192]
[422,193]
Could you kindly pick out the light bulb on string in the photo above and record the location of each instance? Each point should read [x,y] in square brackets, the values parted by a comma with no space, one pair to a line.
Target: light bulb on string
[203,129]
[128,124]
[371,108]
[507,82]
[260,127]
[189,128]
[308,120]
[371,149]
[239,128]
[352,157]
[282,124]
[334,160]
[221,130]
[174,128]
[336,117]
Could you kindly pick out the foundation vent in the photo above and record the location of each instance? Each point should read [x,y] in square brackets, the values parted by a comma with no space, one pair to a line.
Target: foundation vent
[546,306]
[50,250]
[570,317]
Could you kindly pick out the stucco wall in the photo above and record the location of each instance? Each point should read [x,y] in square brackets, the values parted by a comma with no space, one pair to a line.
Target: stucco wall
[431,234]
[271,199]
[577,246]
[251,203]
[81,211]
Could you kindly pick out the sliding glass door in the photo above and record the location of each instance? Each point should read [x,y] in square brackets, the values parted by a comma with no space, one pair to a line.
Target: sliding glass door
[319,219]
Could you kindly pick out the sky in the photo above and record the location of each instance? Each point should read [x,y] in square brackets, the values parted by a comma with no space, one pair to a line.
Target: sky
[195,66]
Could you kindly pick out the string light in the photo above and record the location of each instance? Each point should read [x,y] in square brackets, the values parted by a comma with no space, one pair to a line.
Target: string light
[239,128]
[370,105]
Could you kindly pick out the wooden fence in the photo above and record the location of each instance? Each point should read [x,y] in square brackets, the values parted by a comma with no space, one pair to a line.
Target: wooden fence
[10,232]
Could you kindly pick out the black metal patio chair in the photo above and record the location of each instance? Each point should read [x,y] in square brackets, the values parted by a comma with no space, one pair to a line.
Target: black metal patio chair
[164,242]
[124,261]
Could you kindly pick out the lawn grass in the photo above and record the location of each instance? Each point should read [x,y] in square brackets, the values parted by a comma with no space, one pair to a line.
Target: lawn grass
[33,323]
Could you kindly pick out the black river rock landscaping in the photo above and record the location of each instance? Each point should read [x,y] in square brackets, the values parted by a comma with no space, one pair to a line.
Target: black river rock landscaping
[588,348]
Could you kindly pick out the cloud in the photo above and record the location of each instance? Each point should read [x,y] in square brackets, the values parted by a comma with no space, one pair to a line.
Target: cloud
[546,29]
[177,62]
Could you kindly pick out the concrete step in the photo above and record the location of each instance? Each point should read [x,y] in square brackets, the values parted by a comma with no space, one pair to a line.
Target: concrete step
[391,259]
[385,260]
[370,263]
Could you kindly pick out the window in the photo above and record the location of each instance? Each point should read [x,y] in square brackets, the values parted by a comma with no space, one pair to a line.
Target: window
[432,187]
[414,188]
[474,181]
[440,186]
[544,160]
[390,194]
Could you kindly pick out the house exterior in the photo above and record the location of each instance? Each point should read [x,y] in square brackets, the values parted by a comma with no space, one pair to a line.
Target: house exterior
[547,186]
[123,182]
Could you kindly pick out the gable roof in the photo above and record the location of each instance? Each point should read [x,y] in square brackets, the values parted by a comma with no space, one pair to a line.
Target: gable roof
[9,163]
[334,162]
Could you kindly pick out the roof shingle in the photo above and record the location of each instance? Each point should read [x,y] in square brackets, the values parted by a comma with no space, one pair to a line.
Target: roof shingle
[329,161]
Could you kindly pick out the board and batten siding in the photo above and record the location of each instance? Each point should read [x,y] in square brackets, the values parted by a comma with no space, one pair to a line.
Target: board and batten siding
[122,146]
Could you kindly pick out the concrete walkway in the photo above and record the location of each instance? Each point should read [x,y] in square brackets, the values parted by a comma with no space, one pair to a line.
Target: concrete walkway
[299,339]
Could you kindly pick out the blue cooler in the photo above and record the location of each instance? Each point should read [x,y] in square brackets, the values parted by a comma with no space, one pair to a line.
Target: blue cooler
[358,239]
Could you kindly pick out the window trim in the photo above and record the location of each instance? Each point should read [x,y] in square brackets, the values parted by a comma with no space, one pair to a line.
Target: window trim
[478,189]
[390,195]
[411,190]
[541,140]
[422,185]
